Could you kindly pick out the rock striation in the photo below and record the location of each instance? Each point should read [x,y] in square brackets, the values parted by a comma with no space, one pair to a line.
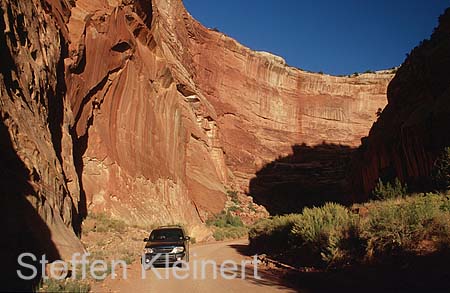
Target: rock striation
[39,190]
[266,108]
[134,109]
[36,163]
[414,126]
[178,111]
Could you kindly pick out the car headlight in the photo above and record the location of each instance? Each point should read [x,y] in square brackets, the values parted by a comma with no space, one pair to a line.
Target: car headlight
[148,250]
[177,249]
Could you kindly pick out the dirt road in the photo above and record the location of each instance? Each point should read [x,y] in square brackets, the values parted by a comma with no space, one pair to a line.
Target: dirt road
[202,276]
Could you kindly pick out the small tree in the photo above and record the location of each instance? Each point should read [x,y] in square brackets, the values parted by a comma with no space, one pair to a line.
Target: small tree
[387,190]
[440,173]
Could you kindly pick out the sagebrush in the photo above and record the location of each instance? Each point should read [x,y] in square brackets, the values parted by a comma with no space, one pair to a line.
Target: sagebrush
[67,285]
[227,226]
[389,190]
[333,235]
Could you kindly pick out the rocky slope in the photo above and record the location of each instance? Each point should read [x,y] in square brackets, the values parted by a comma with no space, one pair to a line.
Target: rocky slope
[134,109]
[414,126]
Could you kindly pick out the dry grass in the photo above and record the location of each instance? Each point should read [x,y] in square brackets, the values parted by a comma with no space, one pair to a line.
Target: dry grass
[110,239]
[68,285]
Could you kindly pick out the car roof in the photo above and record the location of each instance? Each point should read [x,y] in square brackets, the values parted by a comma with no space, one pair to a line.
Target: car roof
[169,227]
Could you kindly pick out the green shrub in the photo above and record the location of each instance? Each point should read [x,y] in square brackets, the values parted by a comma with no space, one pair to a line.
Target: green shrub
[321,234]
[67,285]
[314,222]
[235,209]
[104,223]
[387,191]
[273,235]
[234,196]
[440,173]
[322,230]
[445,203]
[268,226]
[398,226]
[224,233]
[225,220]
[233,220]
[333,236]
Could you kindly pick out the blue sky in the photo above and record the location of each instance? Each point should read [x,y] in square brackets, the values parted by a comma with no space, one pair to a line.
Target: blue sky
[336,37]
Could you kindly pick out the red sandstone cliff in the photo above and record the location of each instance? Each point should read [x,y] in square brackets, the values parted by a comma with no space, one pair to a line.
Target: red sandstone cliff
[414,126]
[36,165]
[137,129]
[39,190]
[177,111]
[134,109]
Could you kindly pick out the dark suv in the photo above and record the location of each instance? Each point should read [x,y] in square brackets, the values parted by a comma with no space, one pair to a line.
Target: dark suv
[167,244]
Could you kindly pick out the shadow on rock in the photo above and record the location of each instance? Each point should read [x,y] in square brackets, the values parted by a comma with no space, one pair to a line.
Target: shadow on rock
[310,176]
[23,230]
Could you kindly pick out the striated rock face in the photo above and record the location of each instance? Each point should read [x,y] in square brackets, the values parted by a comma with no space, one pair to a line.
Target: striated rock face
[147,151]
[414,126]
[176,111]
[35,142]
[266,108]
[135,109]
[39,208]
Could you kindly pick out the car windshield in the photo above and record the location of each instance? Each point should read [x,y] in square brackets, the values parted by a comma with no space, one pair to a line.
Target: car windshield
[166,235]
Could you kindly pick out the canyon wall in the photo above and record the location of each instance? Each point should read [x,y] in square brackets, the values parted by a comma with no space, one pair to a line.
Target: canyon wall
[287,134]
[265,107]
[414,126]
[39,206]
[134,109]
[146,154]
[177,113]
[36,163]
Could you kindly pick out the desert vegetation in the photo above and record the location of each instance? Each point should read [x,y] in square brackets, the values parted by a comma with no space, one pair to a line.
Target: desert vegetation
[335,236]
[239,213]
[105,239]
[389,190]
[68,285]
[109,239]
[227,226]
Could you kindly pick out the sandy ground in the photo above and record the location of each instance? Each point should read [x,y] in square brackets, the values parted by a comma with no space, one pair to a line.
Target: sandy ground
[241,278]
